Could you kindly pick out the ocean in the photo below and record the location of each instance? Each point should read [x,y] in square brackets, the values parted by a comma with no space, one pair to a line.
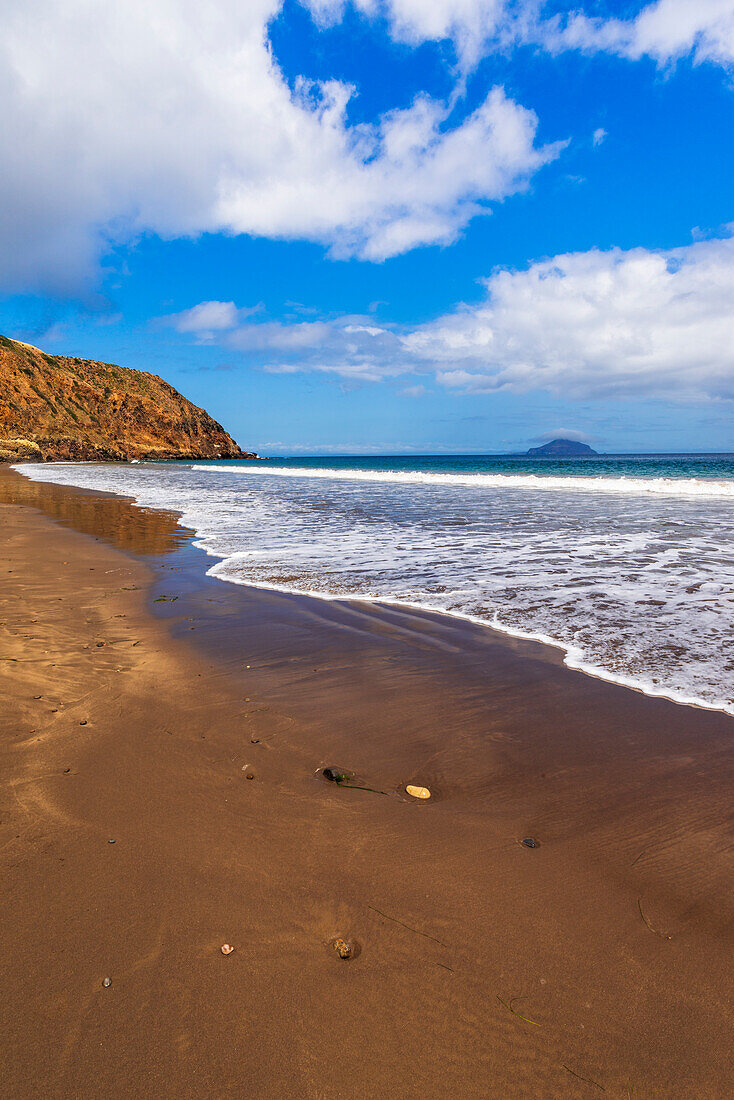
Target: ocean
[625,562]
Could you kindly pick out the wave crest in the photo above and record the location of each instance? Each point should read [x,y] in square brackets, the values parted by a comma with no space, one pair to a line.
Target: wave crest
[711,489]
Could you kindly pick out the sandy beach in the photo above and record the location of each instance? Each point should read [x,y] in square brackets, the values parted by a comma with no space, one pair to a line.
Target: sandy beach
[163,738]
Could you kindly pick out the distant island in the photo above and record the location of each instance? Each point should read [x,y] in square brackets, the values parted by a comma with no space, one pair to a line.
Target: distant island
[53,407]
[562,448]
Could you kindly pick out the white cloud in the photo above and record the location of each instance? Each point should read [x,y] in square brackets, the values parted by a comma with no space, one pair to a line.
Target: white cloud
[206,317]
[595,324]
[641,323]
[666,31]
[273,336]
[470,24]
[120,119]
[598,136]
[353,348]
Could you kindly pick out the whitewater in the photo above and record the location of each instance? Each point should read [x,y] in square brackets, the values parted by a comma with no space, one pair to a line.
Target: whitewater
[628,567]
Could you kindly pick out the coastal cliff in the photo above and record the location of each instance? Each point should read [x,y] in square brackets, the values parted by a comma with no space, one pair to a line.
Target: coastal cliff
[53,407]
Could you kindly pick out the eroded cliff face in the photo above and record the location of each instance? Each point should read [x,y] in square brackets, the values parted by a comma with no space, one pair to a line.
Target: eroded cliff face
[55,407]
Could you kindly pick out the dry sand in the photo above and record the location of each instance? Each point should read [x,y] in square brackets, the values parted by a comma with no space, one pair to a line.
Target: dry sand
[600,961]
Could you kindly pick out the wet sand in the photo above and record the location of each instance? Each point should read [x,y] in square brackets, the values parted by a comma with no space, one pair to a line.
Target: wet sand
[600,960]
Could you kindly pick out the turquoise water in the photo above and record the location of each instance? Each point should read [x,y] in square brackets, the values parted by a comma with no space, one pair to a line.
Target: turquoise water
[648,465]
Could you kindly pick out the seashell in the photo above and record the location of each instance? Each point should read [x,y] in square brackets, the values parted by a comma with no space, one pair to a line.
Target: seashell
[227,949]
[418,792]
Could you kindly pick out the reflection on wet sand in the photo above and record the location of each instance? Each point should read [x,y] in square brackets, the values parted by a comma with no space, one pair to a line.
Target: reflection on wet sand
[114,519]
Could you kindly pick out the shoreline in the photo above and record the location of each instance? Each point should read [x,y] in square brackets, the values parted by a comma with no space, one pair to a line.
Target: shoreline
[628,796]
[570,653]
[573,657]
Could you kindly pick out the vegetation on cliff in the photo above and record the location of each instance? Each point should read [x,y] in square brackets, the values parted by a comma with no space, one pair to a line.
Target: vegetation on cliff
[56,407]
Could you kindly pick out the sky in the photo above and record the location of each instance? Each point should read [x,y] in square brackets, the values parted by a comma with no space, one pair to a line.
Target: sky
[382,226]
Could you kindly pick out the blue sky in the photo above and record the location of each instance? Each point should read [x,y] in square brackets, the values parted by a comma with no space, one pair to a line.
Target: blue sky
[453,225]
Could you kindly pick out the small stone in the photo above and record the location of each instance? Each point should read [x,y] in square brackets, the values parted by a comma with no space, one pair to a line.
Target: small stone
[530,842]
[100,644]
[343,949]
[110,842]
[83,722]
[418,792]
[227,949]
[107,982]
[335,775]
[66,771]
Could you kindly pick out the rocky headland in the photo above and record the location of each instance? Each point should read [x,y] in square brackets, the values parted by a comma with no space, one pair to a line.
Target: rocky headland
[54,407]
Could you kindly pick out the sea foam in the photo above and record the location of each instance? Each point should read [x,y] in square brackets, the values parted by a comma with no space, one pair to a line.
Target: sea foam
[635,587]
[710,488]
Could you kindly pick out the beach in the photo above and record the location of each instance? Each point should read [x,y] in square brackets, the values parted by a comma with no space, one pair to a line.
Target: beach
[164,737]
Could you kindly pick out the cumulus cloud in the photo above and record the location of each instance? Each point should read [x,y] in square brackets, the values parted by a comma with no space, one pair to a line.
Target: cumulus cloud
[666,31]
[120,119]
[472,25]
[595,324]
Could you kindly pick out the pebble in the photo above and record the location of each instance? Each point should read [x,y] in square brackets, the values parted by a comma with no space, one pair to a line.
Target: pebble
[83,722]
[227,949]
[107,982]
[343,949]
[110,842]
[336,775]
[530,842]
[418,792]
